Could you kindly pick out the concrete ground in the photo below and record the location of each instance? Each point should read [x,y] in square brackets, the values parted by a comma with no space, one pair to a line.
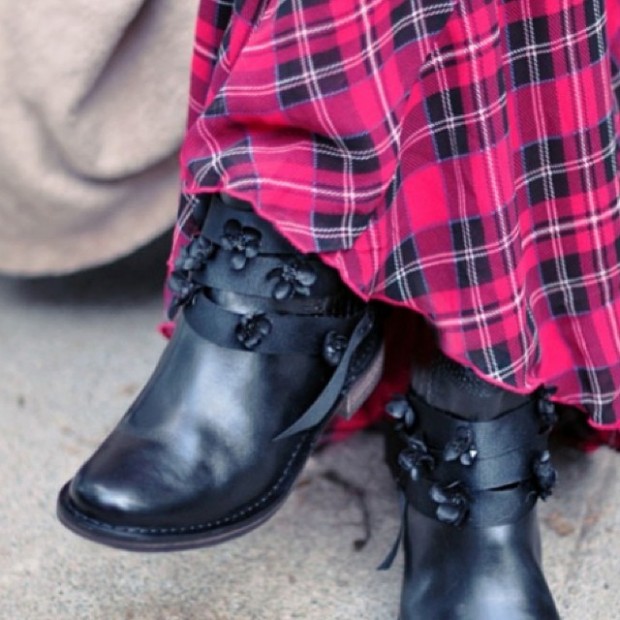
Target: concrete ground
[74,353]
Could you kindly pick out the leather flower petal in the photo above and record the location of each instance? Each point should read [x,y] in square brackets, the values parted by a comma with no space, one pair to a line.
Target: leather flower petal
[183,288]
[242,241]
[294,277]
[283,290]
[545,474]
[305,274]
[232,234]
[195,254]
[415,458]
[400,409]
[451,514]
[546,408]
[452,503]
[334,346]
[461,447]
[251,330]
[238,261]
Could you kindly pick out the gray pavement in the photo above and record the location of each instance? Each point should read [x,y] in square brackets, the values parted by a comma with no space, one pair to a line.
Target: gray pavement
[76,350]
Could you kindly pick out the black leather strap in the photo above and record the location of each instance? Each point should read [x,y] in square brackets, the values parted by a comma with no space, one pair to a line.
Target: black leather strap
[483,508]
[514,430]
[499,471]
[253,278]
[496,469]
[220,213]
[287,333]
[324,404]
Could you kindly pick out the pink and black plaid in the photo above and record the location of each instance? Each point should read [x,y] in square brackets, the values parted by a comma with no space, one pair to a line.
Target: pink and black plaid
[455,157]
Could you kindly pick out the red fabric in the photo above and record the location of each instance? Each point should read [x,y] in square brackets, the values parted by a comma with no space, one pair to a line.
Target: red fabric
[457,158]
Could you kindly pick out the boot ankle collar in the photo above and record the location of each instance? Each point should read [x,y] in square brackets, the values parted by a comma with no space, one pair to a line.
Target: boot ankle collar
[480,473]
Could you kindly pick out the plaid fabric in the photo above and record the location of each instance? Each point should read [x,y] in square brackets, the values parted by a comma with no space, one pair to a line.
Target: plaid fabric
[458,158]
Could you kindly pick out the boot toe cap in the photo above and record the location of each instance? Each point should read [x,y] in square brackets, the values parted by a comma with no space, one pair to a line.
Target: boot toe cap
[108,501]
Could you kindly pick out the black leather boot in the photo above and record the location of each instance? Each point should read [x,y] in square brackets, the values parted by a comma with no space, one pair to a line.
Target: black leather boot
[472,465]
[268,347]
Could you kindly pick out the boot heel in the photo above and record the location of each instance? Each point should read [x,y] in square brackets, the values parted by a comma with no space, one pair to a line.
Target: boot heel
[363,387]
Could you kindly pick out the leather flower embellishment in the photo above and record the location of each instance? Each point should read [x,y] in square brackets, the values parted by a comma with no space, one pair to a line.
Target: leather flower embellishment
[546,408]
[294,277]
[195,254]
[183,288]
[399,408]
[242,241]
[415,457]
[545,475]
[461,447]
[251,330]
[452,503]
[334,346]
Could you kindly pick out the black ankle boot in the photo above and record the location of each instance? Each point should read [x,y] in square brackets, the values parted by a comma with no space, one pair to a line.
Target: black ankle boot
[269,346]
[471,477]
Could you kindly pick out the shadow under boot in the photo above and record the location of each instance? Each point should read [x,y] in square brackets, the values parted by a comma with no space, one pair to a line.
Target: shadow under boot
[472,464]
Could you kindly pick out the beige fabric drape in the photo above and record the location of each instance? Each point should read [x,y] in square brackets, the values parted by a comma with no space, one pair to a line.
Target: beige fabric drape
[92,111]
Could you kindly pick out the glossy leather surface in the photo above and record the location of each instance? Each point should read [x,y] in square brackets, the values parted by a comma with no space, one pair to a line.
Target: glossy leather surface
[491,573]
[215,441]
[196,446]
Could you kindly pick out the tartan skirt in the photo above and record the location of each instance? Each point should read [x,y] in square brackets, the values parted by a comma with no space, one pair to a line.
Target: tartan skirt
[456,158]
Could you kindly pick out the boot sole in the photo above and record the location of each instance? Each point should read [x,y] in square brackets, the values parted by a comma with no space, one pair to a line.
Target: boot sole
[144,539]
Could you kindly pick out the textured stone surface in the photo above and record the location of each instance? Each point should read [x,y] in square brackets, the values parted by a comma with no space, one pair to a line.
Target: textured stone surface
[74,353]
